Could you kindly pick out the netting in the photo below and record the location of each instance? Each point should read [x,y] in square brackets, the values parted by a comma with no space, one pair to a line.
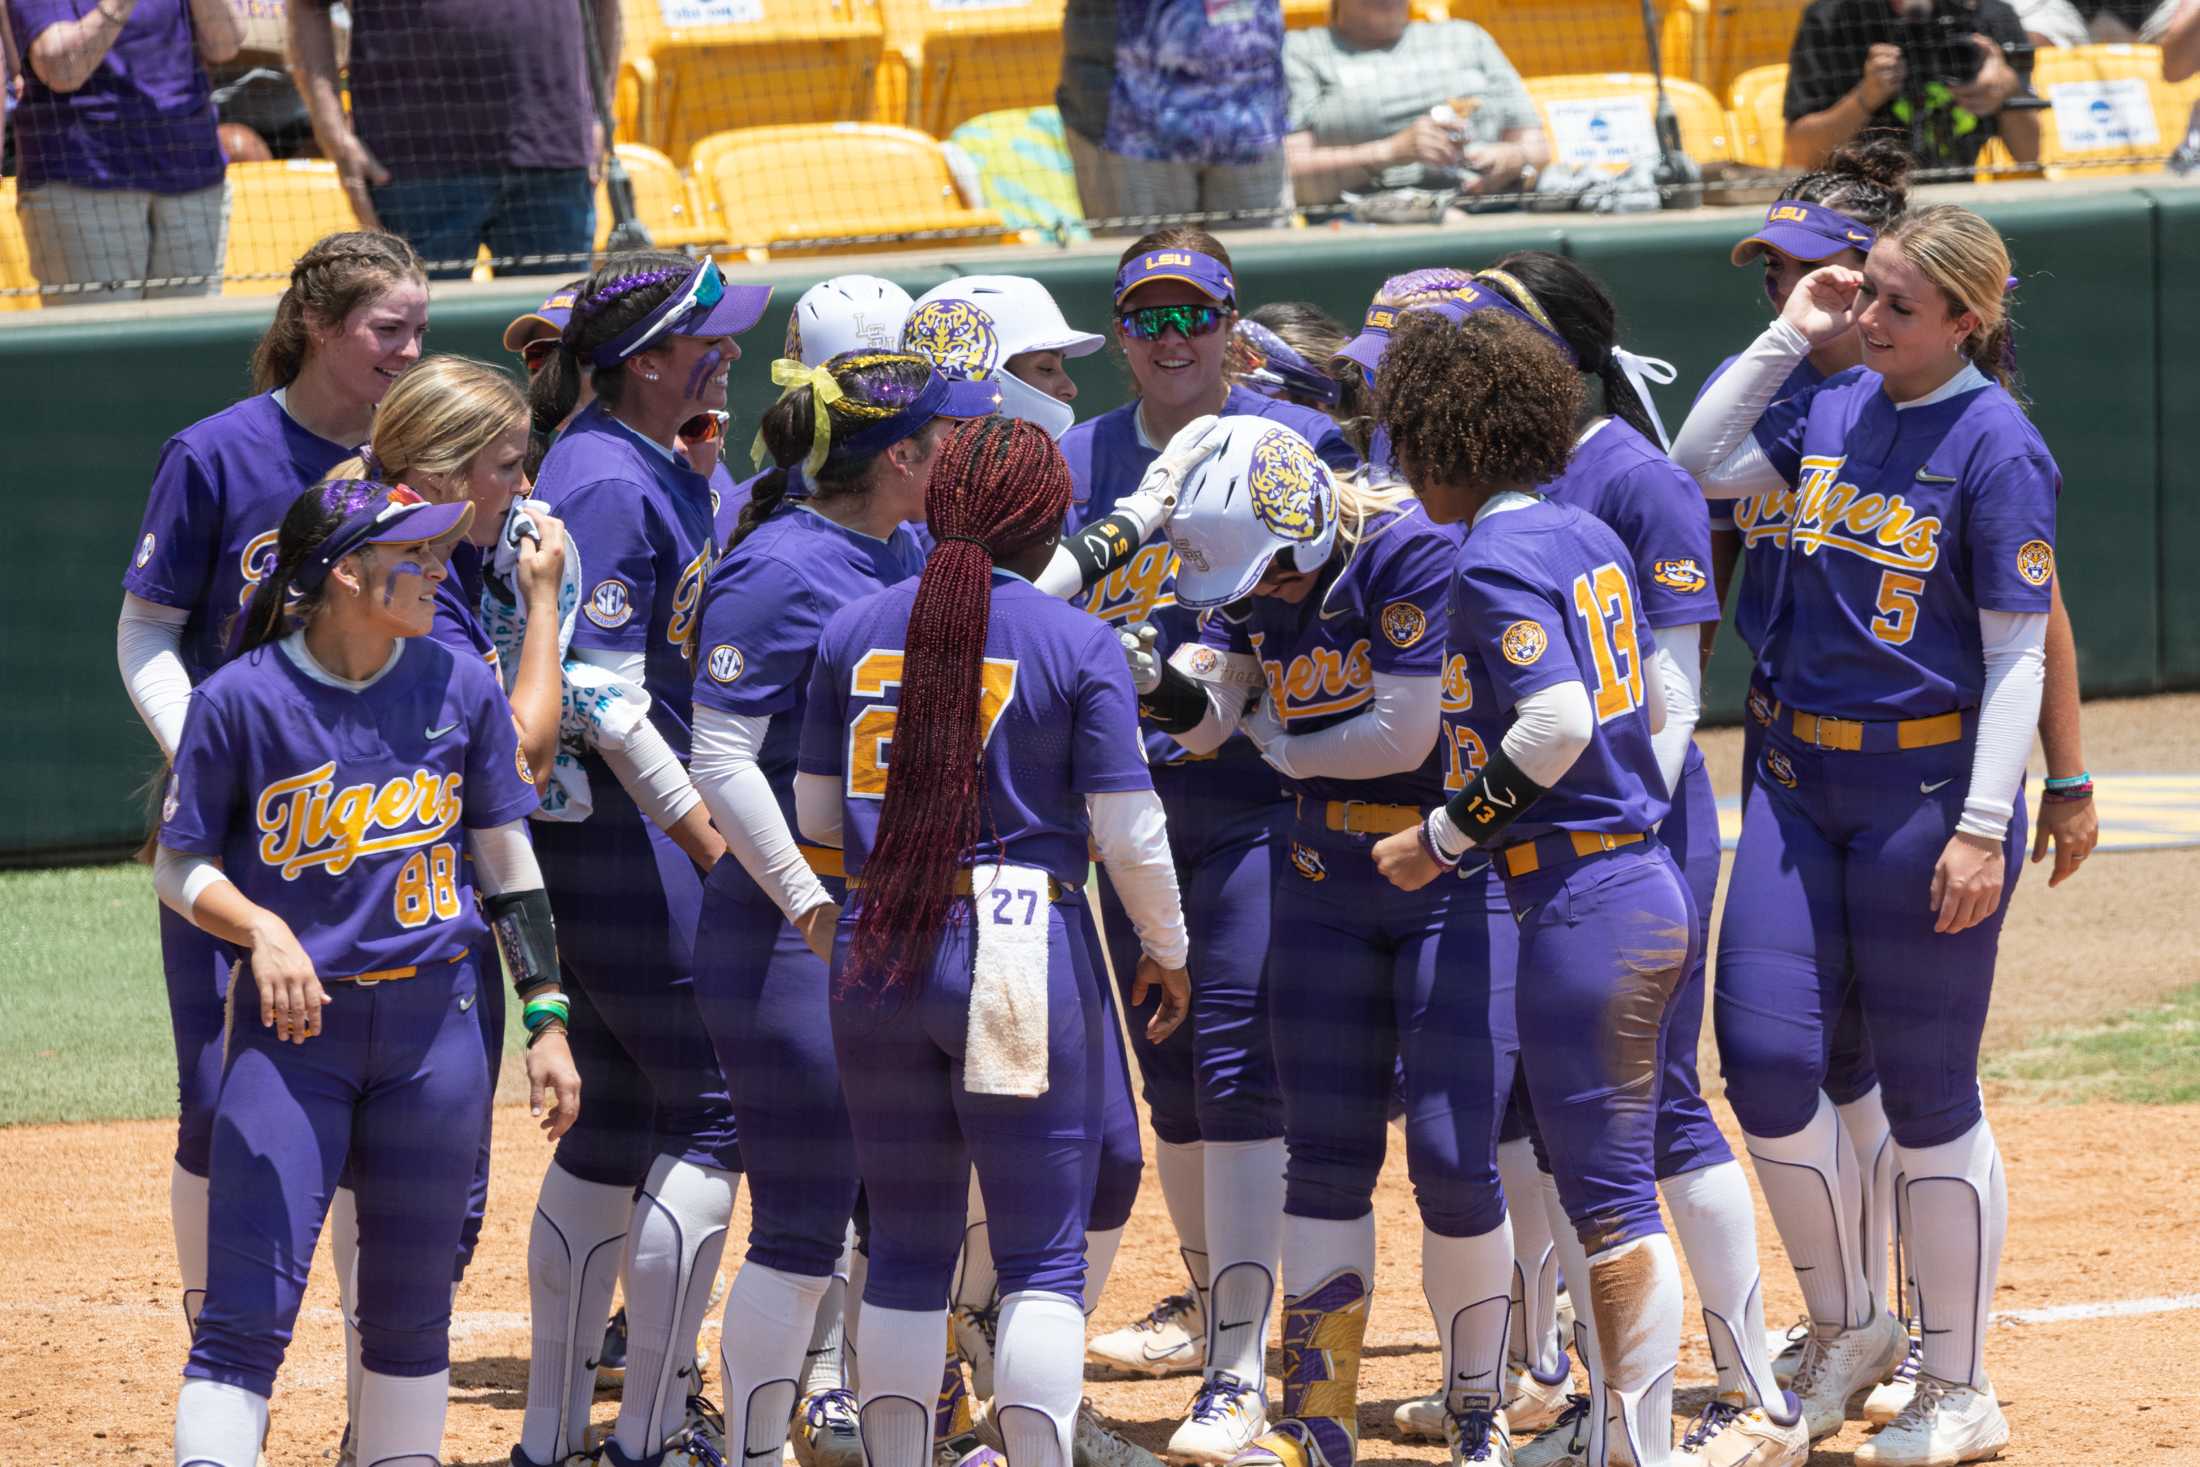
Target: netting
[192,147]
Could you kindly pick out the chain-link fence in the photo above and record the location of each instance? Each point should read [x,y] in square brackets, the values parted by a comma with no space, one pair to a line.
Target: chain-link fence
[193,147]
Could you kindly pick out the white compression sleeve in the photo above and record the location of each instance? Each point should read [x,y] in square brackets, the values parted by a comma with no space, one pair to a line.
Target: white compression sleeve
[1653,696]
[1225,711]
[1716,443]
[180,878]
[1679,679]
[1394,732]
[646,767]
[1069,575]
[504,859]
[1550,729]
[817,807]
[2015,645]
[149,650]
[1133,839]
[746,812]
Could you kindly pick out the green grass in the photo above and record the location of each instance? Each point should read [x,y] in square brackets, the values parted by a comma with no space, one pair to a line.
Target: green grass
[2150,1056]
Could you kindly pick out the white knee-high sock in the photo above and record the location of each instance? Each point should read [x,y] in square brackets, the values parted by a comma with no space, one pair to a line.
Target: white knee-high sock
[1587,1342]
[1316,1247]
[1865,1119]
[187,1216]
[1038,1377]
[822,1368]
[767,1320]
[1716,1220]
[343,1251]
[859,1270]
[1100,1250]
[672,1253]
[1812,1187]
[1959,1215]
[1637,1287]
[975,1278]
[218,1425]
[1183,1169]
[400,1422]
[573,1254]
[1244,1194]
[1535,1343]
[1468,1285]
[900,1350]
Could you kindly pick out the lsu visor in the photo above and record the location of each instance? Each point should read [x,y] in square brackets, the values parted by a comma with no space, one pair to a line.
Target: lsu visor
[1266,492]
[1277,368]
[548,319]
[391,514]
[703,305]
[1805,231]
[1368,347]
[1204,273]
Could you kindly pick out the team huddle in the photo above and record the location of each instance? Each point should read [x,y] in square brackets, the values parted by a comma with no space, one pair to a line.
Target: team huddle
[1321,720]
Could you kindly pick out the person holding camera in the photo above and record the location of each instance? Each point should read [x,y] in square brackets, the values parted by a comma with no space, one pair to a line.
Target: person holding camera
[1938,75]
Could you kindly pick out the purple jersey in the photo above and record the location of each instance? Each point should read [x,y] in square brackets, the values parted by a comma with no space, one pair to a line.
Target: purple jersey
[143,119]
[1907,523]
[1384,610]
[1106,461]
[218,498]
[1542,596]
[1762,519]
[342,811]
[766,607]
[641,520]
[1657,511]
[1060,723]
[727,500]
[458,624]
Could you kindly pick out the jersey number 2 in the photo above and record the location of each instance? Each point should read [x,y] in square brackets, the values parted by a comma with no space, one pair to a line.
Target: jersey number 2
[1607,607]
[872,730]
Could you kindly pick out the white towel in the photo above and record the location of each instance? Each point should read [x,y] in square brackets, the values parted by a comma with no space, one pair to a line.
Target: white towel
[1005,1045]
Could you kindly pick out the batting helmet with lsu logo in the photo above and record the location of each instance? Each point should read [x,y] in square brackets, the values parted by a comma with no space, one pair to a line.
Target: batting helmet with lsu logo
[1264,494]
[962,338]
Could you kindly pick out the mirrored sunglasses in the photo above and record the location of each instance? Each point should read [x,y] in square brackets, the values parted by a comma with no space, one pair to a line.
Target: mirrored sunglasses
[1147,323]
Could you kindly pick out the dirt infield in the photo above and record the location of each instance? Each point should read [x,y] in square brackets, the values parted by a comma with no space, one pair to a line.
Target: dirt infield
[2100,1200]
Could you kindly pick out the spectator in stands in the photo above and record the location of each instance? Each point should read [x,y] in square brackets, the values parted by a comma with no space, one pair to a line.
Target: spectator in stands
[1176,107]
[470,124]
[119,173]
[2085,22]
[2181,44]
[1363,89]
[1849,72]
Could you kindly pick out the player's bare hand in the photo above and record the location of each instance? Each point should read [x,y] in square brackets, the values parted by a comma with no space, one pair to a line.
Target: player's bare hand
[358,170]
[1997,81]
[1883,76]
[542,562]
[1176,996]
[2073,826]
[817,926]
[1427,142]
[1405,862]
[1966,882]
[1823,304]
[291,994]
[552,1077]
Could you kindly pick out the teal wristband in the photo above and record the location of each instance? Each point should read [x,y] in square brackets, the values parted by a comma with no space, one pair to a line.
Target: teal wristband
[541,1011]
[2069,782]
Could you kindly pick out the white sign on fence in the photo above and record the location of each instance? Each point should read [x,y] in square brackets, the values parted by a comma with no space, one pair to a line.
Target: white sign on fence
[1601,132]
[2098,115]
[691,14]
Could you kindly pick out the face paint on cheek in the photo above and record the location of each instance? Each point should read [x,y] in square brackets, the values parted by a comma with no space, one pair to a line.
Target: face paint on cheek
[706,364]
[401,569]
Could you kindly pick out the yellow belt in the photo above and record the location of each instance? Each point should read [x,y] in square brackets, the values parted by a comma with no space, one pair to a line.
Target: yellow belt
[1528,857]
[1849,735]
[387,975]
[1358,818]
[964,886]
[826,860]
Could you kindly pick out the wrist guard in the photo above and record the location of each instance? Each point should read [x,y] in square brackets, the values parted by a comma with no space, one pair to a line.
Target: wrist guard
[528,937]
[1103,545]
[1177,705]
[1493,799]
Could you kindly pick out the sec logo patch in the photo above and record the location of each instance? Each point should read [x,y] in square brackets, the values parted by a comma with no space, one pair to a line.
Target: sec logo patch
[1404,623]
[610,605]
[1523,643]
[725,663]
[2035,562]
[1779,769]
[1308,862]
[145,550]
[1679,575]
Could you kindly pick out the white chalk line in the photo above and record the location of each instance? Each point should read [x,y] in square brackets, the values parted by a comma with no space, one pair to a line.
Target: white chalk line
[2063,1313]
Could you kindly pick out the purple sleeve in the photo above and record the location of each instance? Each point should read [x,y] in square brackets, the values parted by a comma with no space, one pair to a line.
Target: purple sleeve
[759,637]
[499,787]
[1519,631]
[607,521]
[1107,755]
[1226,634]
[200,801]
[1780,431]
[180,536]
[2009,532]
[1408,609]
[31,18]
[1659,517]
[823,750]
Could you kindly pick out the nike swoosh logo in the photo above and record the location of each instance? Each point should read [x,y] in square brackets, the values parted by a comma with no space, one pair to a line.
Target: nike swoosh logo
[1926,789]
[1149,1352]
[1521,914]
[466,1003]
[749,1456]
[1925,478]
[1232,1323]
[437,733]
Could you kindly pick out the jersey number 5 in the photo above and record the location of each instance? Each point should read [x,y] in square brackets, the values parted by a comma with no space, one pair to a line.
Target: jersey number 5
[1607,608]
[870,731]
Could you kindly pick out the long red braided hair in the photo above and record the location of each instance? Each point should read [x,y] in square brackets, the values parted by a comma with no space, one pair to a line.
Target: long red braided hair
[999,487]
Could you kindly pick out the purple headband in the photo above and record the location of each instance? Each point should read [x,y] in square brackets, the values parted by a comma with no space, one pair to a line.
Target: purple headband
[384,514]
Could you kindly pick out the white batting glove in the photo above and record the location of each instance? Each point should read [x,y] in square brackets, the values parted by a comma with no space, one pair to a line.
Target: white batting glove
[1194,443]
[1265,728]
[1141,652]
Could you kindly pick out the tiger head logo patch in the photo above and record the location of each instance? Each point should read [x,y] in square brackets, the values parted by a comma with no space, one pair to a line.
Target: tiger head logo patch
[1779,769]
[1760,706]
[1523,643]
[2036,562]
[1308,862]
[1683,575]
[1291,488]
[1404,623]
[957,337]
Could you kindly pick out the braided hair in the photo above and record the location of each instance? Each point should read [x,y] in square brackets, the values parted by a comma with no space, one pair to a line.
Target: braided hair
[278,605]
[336,275]
[627,288]
[1868,181]
[874,385]
[1580,310]
[999,487]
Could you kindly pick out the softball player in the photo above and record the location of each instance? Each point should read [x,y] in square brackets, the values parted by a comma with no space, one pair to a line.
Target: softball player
[655,334]
[1906,641]
[966,1005]
[311,822]
[1555,698]
[1211,1092]
[348,324]
[1333,601]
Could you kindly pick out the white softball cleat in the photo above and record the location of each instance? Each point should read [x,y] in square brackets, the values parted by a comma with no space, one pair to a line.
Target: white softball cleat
[826,1431]
[1841,1364]
[1565,1444]
[1477,1437]
[1790,1358]
[1093,1443]
[1941,1426]
[1225,1417]
[1170,1340]
[1728,1434]
[1886,1401]
[1531,1405]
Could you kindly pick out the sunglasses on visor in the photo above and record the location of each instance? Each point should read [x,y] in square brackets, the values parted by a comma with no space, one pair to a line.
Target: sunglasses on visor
[1148,322]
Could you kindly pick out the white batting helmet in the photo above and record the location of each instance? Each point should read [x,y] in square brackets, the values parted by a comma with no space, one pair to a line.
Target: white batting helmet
[1266,492]
[846,313]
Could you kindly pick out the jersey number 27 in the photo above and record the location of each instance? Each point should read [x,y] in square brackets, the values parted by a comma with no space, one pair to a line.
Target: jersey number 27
[872,731]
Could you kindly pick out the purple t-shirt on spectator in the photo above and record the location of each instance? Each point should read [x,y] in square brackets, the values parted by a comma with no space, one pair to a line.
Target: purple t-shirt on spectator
[459,86]
[144,118]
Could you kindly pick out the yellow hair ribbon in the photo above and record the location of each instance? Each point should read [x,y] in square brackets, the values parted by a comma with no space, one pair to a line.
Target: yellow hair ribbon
[792,376]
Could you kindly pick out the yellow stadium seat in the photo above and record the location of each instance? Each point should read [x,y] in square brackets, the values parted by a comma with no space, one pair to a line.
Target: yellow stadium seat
[1567,37]
[1605,119]
[747,63]
[944,66]
[863,183]
[275,211]
[2108,106]
[666,201]
[1759,99]
[1734,36]
[15,256]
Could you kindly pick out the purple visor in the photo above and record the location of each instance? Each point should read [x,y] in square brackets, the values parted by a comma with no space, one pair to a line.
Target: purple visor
[1805,231]
[1368,347]
[553,313]
[702,305]
[940,397]
[1204,273]
[1278,369]
[387,515]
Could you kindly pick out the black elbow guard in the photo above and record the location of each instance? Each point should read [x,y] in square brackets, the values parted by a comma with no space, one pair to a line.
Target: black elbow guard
[1177,705]
[528,938]
[1102,546]
[1493,799]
